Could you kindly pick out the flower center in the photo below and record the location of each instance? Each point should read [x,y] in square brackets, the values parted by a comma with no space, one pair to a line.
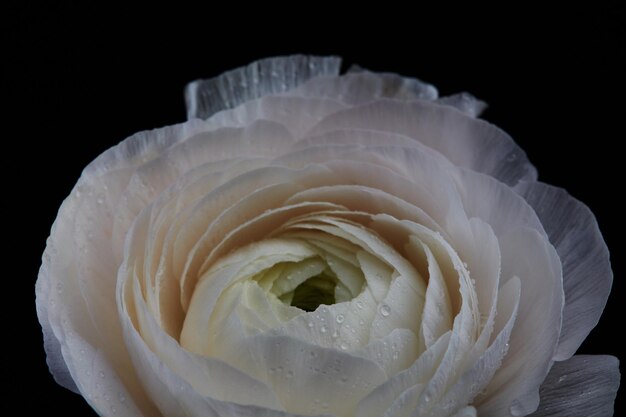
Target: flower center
[309,283]
[315,291]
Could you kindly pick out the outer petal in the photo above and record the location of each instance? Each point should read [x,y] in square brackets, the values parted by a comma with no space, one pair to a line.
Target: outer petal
[587,275]
[465,102]
[467,142]
[361,87]
[261,78]
[54,355]
[582,386]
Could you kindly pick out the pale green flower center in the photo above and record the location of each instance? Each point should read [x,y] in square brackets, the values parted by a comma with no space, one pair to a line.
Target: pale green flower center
[309,283]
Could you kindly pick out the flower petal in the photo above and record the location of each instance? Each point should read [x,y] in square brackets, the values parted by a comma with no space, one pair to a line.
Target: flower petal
[260,78]
[587,276]
[515,386]
[467,142]
[360,87]
[464,102]
[582,386]
[54,355]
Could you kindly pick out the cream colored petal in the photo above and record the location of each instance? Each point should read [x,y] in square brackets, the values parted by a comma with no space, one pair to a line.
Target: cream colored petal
[467,142]
[379,401]
[247,262]
[534,339]
[481,370]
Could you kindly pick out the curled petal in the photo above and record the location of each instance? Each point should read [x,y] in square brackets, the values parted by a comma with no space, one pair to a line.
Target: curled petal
[587,276]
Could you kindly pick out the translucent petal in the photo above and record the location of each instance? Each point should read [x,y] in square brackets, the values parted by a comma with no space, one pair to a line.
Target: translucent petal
[587,275]
[356,88]
[464,102]
[467,142]
[297,114]
[260,78]
[582,386]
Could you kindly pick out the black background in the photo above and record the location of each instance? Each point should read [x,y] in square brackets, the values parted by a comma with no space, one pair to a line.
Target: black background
[77,80]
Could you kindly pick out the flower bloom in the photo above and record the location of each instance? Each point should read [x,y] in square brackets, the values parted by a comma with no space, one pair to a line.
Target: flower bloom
[310,243]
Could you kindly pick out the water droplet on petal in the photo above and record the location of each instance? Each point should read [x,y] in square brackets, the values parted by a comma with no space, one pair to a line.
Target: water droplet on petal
[343,346]
[323,329]
[359,304]
[384,310]
[340,318]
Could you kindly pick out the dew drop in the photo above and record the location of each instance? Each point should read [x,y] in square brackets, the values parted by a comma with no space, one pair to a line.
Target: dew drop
[323,329]
[101,374]
[100,199]
[122,398]
[335,334]
[310,325]
[340,318]
[289,374]
[343,346]
[384,310]
[359,304]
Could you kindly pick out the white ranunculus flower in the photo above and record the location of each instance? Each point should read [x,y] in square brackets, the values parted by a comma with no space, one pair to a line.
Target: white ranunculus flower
[311,243]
